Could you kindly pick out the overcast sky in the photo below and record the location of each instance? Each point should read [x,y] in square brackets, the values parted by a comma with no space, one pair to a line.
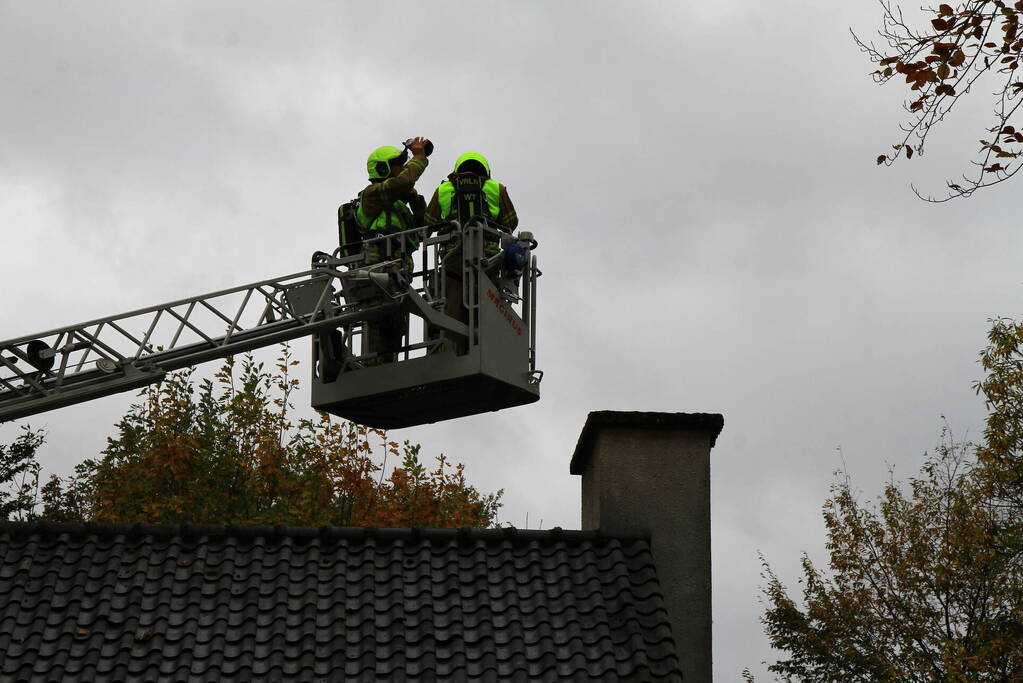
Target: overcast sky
[714,235]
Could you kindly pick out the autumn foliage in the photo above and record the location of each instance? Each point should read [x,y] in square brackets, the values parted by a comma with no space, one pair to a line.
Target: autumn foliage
[228,452]
[926,583]
[957,46]
[1001,455]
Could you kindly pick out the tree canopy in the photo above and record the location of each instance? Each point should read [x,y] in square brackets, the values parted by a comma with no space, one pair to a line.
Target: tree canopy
[926,583]
[228,452]
[1001,454]
[941,61]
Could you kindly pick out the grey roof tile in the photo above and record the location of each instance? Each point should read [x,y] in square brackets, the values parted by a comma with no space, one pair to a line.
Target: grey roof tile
[100,602]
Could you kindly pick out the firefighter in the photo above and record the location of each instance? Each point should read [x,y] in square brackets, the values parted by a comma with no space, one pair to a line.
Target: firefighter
[498,204]
[390,204]
[471,191]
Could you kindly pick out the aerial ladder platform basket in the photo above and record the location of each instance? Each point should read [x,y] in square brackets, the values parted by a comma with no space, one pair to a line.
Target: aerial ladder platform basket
[439,367]
[448,367]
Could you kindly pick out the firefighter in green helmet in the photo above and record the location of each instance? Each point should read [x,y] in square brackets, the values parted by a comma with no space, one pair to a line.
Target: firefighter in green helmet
[444,206]
[468,191]
[390,204]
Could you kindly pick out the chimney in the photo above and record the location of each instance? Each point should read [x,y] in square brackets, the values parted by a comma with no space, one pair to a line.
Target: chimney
[649,473]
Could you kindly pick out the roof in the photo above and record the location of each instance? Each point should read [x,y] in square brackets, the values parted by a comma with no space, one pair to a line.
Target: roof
[710,422]
[98,603]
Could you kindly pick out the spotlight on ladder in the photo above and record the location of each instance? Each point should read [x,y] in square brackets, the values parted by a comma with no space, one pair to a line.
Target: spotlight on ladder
[40,355]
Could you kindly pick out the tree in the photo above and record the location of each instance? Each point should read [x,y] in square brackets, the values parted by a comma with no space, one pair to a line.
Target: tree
[962,44]
[229,453]
[1002,451]
[917,589]
[926,584]
[19,476]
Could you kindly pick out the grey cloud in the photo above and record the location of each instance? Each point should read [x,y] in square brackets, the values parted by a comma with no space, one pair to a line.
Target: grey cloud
[713,233]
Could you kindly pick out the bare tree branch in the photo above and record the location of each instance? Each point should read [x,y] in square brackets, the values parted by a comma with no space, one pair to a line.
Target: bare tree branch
[965,43]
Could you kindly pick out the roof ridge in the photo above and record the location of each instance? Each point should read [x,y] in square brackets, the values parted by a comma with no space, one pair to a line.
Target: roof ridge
[280,531]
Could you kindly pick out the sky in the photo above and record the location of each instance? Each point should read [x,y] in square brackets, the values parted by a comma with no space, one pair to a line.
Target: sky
[714,234]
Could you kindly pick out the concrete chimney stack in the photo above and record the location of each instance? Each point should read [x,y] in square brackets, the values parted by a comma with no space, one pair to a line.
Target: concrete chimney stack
[649,473]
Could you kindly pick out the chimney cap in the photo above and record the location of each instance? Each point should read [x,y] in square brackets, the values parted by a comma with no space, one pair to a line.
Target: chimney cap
[710,422]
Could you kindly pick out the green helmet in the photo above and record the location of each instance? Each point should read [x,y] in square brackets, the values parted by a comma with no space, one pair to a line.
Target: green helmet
[473,156]
[379,162]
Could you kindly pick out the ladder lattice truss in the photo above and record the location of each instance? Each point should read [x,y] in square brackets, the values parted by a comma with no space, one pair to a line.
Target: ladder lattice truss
[108,355]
